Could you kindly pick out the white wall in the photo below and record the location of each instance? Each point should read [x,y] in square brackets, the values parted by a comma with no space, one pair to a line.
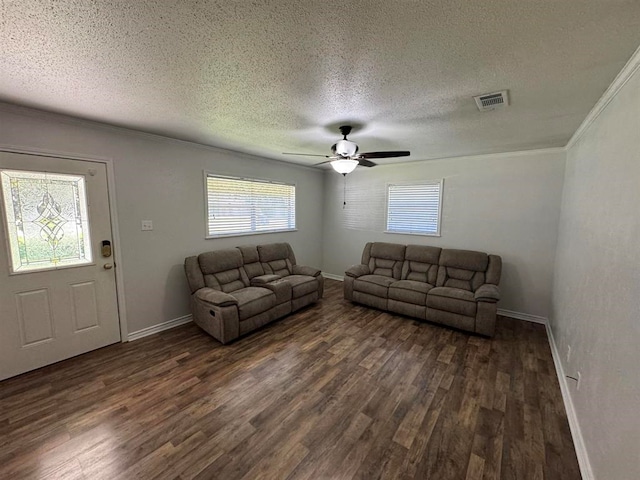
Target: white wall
[162,180]
[506,204]
[596,295]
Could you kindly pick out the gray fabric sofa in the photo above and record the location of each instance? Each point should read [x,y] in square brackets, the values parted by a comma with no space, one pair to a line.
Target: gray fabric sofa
[458,288]
[236,290]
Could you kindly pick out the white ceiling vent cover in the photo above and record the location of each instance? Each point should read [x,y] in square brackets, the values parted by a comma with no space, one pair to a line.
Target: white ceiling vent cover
[491,101]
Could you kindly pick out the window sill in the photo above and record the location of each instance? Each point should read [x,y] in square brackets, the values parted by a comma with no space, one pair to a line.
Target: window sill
[414,233]
[245,234]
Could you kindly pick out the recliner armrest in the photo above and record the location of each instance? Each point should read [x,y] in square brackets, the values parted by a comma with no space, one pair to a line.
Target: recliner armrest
[261,280]
[356,271]
[304,270]
[215,297]
[487,293]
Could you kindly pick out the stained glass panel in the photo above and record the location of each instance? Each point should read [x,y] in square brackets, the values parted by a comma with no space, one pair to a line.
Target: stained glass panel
[46,219]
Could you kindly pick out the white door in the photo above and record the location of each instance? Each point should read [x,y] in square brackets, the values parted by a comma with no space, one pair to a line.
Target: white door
[57,289]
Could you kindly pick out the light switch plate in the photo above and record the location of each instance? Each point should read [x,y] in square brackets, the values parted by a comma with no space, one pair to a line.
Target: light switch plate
[147,225]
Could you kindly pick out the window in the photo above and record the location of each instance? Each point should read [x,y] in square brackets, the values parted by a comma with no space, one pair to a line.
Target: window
[240,206]
[414,208]
[46,220]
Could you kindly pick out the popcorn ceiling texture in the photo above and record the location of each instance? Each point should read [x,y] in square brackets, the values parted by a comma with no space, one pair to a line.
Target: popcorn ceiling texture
[266,77]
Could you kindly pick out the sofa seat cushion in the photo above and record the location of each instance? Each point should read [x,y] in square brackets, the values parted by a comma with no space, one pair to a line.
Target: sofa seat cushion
[253,300]
[454,300]
[410,291]
[301,285]
[377,285]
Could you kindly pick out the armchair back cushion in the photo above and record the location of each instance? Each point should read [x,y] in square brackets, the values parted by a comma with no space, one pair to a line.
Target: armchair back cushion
[384,259]
[463,269]
[223,270]
[421,264]
[277,259]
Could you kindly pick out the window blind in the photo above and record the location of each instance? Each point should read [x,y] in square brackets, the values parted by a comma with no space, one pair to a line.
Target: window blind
[414,208]
[237,206]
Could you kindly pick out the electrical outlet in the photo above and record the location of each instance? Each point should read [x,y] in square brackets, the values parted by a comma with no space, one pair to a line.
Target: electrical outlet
[568,353]
[579,378]
[147,225]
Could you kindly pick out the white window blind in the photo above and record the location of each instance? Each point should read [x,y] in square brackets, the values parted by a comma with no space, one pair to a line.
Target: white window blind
[239,206]
[414,208]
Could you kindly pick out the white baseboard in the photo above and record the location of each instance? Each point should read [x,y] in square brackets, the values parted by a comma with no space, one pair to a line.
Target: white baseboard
[576,433]
[523,316]
[340,278]
[161,327]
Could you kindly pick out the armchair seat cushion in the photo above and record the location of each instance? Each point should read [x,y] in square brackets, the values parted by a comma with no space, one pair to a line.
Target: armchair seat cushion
[454,300]
[410,291]
[377,285]
[301,285]
[254,300]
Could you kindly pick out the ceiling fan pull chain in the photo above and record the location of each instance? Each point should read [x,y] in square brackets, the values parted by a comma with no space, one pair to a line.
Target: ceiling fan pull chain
[344,192]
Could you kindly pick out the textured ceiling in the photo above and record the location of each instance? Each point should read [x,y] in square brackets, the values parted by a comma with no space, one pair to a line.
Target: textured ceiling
[269,76]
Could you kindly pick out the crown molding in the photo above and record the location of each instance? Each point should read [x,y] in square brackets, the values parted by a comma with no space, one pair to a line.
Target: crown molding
[623,77]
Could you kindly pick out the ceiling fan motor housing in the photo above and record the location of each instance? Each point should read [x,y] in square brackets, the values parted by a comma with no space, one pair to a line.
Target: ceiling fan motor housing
[345,148]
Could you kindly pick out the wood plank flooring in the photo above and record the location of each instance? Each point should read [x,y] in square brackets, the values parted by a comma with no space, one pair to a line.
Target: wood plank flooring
[335,391]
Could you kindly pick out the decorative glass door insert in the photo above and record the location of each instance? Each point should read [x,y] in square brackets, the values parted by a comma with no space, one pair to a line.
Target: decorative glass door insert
[46,218]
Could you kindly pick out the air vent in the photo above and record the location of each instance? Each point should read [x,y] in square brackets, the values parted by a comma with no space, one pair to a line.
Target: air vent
[491,101]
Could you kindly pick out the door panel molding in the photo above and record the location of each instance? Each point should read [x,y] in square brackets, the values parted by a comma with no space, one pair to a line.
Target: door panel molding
[113,213]
[34,306]
[87,303]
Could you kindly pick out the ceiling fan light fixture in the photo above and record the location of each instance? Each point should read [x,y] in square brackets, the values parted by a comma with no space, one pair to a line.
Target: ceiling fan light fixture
[344,165]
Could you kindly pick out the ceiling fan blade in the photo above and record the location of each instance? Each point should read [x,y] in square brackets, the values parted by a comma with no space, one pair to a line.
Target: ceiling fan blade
[399,153]
[321,163]
[366,163]
[306,154]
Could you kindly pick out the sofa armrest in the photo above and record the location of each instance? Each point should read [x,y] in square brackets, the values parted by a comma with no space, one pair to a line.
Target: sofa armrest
[487,293]
[261,280]
[304,270]
[356,271]
[215,297]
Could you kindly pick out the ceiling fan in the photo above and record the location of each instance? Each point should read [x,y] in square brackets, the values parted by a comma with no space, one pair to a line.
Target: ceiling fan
[345,157]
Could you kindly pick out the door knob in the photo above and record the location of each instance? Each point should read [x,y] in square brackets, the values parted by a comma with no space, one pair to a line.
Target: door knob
[107,266]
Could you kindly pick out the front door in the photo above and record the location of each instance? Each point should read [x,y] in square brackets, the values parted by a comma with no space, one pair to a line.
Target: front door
[57,282]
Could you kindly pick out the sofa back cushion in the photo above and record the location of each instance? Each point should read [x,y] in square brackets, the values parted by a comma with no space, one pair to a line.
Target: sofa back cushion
[222,270]
[384,258]
[277,258]
[494,270]
[251,259]
[194,274]
[464,269]
[421,263]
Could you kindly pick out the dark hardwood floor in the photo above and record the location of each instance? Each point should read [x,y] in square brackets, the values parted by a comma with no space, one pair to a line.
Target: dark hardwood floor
[335,391]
